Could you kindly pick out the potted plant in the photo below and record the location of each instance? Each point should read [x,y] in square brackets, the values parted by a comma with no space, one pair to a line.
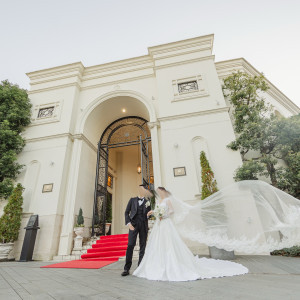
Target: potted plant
[10,222]
[79,224]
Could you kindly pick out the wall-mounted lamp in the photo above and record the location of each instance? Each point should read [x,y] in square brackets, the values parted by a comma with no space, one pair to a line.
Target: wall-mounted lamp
[139,169]
[151,179]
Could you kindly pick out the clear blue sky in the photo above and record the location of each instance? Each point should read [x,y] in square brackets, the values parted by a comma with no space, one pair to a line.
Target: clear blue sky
[37,34]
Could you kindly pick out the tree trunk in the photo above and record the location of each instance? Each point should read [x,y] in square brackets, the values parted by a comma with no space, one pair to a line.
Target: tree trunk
[272,172]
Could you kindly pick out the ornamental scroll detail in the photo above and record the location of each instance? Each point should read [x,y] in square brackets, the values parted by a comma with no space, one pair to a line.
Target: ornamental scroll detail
[45,112]
[187,87]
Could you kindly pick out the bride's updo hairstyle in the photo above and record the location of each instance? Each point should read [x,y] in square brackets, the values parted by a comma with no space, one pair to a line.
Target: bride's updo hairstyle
[161,188]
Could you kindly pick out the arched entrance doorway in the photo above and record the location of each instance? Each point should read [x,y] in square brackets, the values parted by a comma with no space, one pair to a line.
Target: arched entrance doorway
[80,167]
[133,132]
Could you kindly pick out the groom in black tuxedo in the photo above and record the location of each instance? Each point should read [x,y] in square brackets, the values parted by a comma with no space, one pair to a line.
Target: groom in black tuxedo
[136,218]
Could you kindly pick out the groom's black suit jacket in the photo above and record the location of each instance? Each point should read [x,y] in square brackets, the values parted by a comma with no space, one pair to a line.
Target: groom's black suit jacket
[131,211]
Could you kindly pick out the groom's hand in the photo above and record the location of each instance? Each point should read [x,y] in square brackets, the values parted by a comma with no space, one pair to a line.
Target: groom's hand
[149,213]
[131,227]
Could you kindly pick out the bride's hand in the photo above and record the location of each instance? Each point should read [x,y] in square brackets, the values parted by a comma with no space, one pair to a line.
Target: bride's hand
[150,213]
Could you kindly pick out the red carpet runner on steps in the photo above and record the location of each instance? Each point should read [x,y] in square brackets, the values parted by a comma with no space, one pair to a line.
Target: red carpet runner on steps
[108,249]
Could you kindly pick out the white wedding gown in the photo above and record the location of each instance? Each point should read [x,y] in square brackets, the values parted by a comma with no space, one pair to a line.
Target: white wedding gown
[167,257]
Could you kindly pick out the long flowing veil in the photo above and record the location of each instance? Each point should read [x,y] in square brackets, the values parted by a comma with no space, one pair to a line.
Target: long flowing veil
[248,216]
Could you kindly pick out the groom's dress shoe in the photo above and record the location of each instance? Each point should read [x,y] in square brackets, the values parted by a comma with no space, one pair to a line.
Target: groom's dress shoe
[125,273]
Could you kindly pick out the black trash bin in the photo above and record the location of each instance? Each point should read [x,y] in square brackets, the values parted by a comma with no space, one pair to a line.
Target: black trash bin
[29,240]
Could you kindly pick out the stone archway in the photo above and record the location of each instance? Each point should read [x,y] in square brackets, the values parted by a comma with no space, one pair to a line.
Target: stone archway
[97,115]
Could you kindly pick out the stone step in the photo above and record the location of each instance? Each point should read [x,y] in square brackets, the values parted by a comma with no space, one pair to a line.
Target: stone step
[66,257]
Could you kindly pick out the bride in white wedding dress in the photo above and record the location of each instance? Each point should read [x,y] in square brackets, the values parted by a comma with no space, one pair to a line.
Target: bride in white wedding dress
[168,258]
[250,217]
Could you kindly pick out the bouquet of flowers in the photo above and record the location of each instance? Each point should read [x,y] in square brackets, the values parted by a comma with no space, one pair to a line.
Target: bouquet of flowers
[159,212]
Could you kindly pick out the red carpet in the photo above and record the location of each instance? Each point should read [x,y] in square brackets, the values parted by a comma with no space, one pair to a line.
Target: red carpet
[80,264]
[108,249]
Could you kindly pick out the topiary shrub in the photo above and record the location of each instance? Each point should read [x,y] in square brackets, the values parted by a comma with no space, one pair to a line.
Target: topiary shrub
[10,221]
[209,184]
[80,219]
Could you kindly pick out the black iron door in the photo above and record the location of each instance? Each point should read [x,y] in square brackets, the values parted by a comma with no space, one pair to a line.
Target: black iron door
[116,135]
[144,150]
[100,197]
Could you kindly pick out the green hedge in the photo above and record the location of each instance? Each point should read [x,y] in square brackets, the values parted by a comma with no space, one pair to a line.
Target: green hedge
[294,251]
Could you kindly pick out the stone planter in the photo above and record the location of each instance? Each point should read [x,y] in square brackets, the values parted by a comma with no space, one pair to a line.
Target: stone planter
[78,231]
[107,226]
[217,253]
[5,249]
[78,239]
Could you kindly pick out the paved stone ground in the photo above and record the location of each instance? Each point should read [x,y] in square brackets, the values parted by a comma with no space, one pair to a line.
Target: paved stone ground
[269,278]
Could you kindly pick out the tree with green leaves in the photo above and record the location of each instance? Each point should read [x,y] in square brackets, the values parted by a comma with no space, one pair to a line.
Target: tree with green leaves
[288,150]
[209,184]
[263,139]
[10,221]
[15,112]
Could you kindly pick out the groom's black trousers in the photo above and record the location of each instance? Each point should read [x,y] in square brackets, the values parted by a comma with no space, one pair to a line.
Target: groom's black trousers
[139,229]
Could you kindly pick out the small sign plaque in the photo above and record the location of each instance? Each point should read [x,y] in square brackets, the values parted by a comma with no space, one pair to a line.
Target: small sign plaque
[179,171]
[32,220]
[47,188]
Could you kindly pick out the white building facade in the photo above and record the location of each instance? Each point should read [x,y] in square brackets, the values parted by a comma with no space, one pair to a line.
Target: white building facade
[175,88]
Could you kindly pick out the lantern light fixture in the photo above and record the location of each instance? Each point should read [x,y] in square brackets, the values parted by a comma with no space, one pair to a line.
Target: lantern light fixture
[139,169]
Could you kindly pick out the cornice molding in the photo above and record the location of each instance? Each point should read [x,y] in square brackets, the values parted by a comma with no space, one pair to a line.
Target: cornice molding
[80,87]
[183,44]
[70,136]
[77,66]
[114,82]
[62,86]
[43,138]
[129,62]
[76,76]
[226,67]
[77,71]
[153,69]
[194,114]
[150,68]
[187,61]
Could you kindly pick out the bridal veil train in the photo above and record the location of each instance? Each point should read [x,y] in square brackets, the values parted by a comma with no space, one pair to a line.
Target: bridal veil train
[248,217]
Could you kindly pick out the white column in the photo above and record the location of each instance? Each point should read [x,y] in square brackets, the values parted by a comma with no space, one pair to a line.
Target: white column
[66,237]
[155,153]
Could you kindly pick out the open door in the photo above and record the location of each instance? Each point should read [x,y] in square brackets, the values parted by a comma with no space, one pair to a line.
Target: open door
[145,164]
